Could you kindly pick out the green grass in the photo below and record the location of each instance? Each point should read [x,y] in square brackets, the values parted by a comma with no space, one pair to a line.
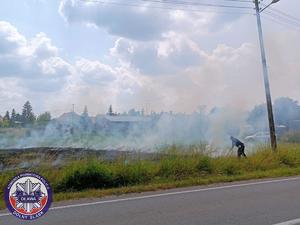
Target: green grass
[176,167]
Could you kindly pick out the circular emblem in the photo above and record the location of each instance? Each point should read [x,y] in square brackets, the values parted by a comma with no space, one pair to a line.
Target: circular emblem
[28,196]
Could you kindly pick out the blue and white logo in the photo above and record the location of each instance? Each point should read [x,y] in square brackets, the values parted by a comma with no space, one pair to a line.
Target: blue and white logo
[28,196]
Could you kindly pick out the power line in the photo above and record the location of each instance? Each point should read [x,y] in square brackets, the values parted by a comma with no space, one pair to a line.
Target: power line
[276,15]
[197,4]
[285,14]
[283,24]
[283,17]
[245,1]
[284,20]
[170,8]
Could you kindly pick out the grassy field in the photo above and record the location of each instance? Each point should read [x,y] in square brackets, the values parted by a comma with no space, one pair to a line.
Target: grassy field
[176,167]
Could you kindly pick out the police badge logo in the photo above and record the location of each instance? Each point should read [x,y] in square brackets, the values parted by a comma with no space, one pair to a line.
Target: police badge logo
[28,196]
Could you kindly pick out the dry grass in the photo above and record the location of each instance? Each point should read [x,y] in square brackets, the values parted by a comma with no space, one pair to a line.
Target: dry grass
[177,167]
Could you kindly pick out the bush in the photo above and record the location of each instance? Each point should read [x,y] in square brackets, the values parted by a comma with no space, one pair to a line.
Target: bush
[264,159]
[231,169]
[83,176]
[135,173]
[177,167]
[287,160]
[205,165]
[229,166]
[288,157]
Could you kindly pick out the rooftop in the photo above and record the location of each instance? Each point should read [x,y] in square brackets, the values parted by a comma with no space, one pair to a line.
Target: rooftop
[127,118]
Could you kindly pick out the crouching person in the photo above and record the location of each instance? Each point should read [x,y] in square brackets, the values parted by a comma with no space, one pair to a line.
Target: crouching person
[240,145]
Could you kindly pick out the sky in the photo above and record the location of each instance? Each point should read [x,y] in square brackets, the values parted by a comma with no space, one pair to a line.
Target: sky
[62,52]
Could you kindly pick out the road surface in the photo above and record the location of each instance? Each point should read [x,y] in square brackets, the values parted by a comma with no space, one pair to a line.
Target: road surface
[263,202]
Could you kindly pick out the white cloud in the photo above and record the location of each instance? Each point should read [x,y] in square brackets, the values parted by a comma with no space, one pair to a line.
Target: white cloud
[174,52]
[34,69]
[30,68]
[33,61]
[41,47]
[10,39]
[95,72]
[188,60]
[128,23]
[226,76]
[142,21]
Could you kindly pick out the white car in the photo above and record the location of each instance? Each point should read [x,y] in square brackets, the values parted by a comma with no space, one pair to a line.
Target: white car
[258,137]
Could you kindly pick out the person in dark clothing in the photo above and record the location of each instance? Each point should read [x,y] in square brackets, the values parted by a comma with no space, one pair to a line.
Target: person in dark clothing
[240,145]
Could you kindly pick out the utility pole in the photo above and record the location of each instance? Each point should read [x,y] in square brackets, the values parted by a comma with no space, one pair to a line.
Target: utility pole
[266,77]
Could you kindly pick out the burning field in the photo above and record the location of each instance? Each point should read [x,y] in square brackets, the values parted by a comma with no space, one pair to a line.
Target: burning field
[77,173]
[29,158]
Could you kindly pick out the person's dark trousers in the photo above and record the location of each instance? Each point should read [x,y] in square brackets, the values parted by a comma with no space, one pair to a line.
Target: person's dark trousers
[241,152]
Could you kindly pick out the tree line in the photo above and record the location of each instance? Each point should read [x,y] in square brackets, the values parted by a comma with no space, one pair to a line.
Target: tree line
[24,119]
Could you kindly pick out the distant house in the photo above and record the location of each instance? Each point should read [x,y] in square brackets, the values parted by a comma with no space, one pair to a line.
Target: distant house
[127,119]
[124,123]
[111,123]
[67,123]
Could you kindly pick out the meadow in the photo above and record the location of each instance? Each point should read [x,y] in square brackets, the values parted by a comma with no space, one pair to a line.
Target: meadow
[175,166]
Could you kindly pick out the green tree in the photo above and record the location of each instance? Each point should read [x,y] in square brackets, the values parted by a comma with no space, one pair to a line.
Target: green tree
[13,118]
[28,116]
[7,116]
[257,118]
[19,120]
[110,111]
[5,123]
[286,111]
[85,120]
[18,117]
[85,112]
[44,118]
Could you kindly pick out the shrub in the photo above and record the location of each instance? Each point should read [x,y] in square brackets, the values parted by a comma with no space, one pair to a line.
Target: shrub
[84,176]
[287,160]
[205,165]
[177,167]
[288,157]
[231,169]
[229,166]
[264,159]
[135,173]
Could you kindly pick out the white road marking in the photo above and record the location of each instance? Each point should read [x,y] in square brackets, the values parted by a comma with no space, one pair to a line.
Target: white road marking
[5,214]
[290,222]
[169,194]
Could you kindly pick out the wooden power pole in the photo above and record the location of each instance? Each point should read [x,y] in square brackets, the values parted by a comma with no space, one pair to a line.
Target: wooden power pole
[266,79]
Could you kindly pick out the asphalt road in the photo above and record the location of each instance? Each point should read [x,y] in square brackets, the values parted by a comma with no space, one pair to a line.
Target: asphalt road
[264,202]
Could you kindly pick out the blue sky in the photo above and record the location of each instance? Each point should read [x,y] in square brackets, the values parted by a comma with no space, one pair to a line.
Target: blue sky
[55,53]
[35,16]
